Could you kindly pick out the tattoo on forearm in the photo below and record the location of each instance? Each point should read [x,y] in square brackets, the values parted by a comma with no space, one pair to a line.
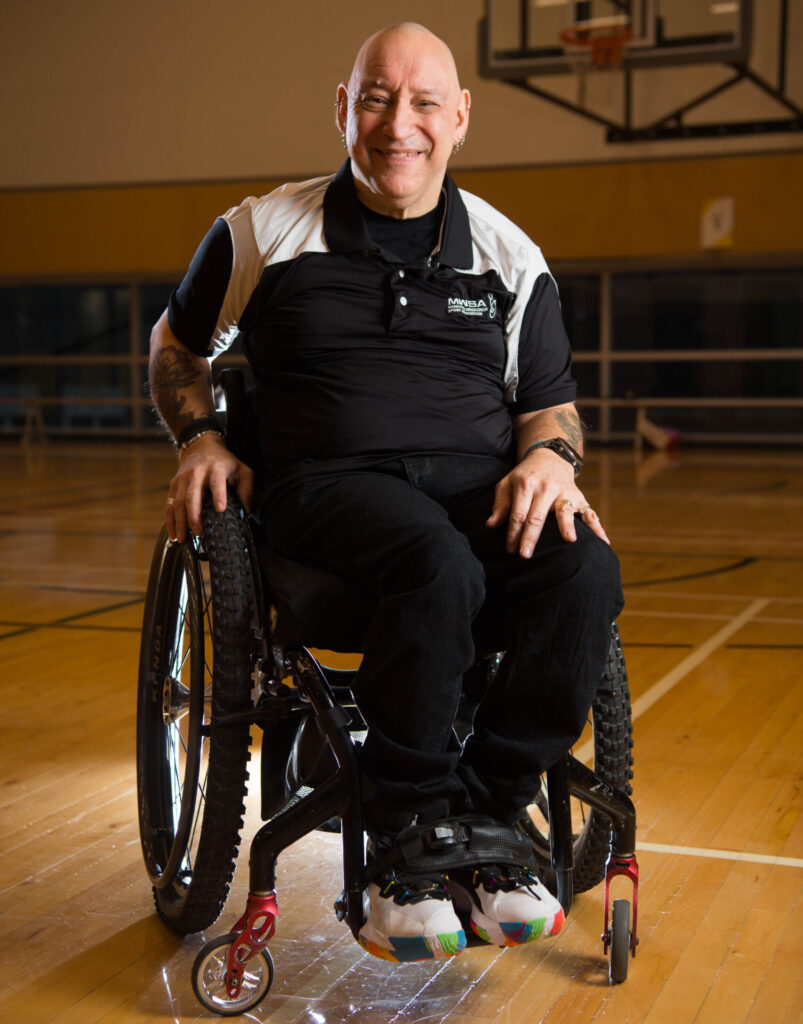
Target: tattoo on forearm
[170,371]
[569,423]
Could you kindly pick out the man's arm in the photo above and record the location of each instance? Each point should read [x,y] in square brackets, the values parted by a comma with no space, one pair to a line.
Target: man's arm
[542,481]
[181,389]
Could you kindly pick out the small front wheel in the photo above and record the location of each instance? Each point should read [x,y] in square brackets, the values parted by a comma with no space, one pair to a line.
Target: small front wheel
[209,978]
[620,941]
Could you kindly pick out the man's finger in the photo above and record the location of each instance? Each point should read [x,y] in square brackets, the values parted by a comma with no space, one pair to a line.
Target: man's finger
[499,511]
[591,519]
[524,506]
[532,529]
[564,513]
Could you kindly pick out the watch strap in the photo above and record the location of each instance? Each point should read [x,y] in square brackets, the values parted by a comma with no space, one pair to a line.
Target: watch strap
[560,446]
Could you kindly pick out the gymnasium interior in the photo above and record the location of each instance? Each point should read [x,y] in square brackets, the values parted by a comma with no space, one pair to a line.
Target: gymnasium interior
[653,149]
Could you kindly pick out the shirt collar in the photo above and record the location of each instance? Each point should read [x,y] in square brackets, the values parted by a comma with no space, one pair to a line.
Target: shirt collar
[345,230]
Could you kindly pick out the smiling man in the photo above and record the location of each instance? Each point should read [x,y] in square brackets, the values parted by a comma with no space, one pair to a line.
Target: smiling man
[418,436]
[402,114]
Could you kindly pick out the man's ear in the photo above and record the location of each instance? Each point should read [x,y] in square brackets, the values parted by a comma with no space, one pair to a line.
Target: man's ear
[341,107]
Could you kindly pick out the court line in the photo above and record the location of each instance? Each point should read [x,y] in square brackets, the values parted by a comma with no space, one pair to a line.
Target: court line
[694,851]
[683,668]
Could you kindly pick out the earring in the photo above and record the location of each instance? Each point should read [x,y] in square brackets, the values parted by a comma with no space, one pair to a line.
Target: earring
[343,137]
[459,145]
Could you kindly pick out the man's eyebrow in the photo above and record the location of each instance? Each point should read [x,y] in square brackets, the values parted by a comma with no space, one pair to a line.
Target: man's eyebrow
[381,83]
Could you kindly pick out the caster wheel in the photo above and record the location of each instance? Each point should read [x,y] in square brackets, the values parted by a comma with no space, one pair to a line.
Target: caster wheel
[209,979]
[620,941]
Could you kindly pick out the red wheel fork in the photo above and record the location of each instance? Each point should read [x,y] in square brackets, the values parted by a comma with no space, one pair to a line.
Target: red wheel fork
[627,866]
[251,935]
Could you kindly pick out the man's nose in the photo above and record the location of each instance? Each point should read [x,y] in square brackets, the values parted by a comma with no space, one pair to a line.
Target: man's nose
[399,123]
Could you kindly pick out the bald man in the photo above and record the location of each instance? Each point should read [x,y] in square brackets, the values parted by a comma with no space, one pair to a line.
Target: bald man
[419,437]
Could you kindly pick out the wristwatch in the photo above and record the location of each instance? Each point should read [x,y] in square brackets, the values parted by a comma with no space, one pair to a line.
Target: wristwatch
[560,446]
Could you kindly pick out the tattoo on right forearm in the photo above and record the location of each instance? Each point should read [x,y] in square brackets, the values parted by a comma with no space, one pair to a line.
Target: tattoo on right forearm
[169,372]
[569,422]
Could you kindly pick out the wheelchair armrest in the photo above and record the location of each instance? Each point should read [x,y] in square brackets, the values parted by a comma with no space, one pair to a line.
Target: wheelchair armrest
[240,423]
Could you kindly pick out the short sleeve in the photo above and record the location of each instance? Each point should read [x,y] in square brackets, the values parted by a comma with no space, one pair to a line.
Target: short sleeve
[545,361]
[194,307]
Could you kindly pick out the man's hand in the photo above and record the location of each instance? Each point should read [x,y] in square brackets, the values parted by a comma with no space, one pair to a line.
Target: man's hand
[540,483]
[206,465]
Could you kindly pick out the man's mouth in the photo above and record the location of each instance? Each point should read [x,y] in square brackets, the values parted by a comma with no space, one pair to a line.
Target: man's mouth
[400,154]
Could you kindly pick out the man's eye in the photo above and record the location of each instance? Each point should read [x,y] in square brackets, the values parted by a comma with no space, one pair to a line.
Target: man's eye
[374,101]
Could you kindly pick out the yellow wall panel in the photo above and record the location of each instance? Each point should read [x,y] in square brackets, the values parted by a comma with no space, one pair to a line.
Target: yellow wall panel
[602,211]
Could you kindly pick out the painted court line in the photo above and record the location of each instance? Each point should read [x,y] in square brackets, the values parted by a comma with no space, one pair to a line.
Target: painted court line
[687,665]
[693,851]
[696,658]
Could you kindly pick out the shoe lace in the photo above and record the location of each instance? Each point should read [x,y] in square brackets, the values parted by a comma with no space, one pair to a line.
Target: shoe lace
[504,877]
[403,887]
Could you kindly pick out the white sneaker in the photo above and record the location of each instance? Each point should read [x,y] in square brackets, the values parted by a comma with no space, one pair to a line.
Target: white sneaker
[410,918]
[509,905]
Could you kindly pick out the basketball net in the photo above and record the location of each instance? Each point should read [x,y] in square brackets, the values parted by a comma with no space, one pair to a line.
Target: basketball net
[601,39]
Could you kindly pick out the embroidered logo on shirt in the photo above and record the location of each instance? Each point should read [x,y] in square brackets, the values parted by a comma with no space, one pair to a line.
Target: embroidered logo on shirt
[473,307]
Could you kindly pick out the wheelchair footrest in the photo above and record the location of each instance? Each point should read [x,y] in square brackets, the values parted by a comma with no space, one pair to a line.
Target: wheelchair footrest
[454,843]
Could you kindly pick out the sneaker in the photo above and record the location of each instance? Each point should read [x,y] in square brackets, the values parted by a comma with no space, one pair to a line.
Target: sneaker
[410,918]
[509,905]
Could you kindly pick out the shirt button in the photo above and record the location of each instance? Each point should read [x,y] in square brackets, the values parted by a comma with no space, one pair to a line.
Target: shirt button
[401,273]
[403,300]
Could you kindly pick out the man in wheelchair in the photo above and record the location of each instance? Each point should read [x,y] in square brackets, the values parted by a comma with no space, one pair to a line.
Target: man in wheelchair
[418,437]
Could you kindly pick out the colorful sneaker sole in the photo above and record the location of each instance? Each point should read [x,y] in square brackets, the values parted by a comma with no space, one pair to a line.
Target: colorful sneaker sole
[406,949]
[515,933]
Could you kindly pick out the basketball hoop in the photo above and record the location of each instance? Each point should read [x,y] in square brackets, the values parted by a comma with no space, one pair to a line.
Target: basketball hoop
[604,37]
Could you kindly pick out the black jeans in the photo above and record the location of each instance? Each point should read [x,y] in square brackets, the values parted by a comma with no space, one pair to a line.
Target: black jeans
[414,530]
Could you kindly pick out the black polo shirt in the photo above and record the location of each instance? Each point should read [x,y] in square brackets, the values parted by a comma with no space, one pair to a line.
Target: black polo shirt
[359,357]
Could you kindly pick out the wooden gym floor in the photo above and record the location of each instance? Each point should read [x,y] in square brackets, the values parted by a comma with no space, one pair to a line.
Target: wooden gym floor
[712,555]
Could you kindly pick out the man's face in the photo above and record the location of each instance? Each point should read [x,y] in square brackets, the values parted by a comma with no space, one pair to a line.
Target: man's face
[402,113]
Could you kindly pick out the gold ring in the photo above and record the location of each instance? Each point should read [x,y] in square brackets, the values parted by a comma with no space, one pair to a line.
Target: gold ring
[582,511]
[562,503]
[170,501]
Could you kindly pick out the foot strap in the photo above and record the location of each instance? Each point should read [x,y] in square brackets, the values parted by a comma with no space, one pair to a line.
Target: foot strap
[454,843]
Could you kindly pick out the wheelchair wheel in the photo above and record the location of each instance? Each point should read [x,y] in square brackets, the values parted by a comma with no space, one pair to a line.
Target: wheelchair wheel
[619,953]
[195,667]
[209,979]
[611,732]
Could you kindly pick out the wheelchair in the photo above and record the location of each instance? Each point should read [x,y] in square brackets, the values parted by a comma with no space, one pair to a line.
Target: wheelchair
[227,631]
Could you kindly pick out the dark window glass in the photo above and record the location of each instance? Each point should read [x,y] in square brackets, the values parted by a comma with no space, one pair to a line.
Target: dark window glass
[587,377]
[152,303]
[711,420]
[64,320]
[107,388]
[579,300]
[721,309]
[716,379]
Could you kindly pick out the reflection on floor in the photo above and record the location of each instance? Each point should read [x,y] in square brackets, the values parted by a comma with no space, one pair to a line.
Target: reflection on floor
[711,544]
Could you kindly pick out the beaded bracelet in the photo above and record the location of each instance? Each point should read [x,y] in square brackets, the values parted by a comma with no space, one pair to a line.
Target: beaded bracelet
[211,430]
[195,428]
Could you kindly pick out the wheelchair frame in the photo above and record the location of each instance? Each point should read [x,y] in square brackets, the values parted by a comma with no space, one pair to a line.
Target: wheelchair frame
[248,684]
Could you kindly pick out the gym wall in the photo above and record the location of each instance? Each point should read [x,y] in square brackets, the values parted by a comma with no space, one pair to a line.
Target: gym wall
[127,129]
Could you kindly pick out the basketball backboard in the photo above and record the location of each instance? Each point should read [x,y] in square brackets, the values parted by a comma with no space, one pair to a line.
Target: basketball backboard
[529,37]
[520,41]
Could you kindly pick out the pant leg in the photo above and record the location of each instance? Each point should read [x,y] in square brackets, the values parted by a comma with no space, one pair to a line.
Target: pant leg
[377,529]
[553,616]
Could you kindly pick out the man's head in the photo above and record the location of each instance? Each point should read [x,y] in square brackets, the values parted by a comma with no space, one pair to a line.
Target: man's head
[402,113]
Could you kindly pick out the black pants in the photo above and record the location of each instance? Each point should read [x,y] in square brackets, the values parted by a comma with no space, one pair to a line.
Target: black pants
[414,529]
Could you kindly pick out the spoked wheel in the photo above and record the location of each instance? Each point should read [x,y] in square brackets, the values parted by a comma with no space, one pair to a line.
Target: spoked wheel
[195,668]
[609,734]
[209,979]
[619,951]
